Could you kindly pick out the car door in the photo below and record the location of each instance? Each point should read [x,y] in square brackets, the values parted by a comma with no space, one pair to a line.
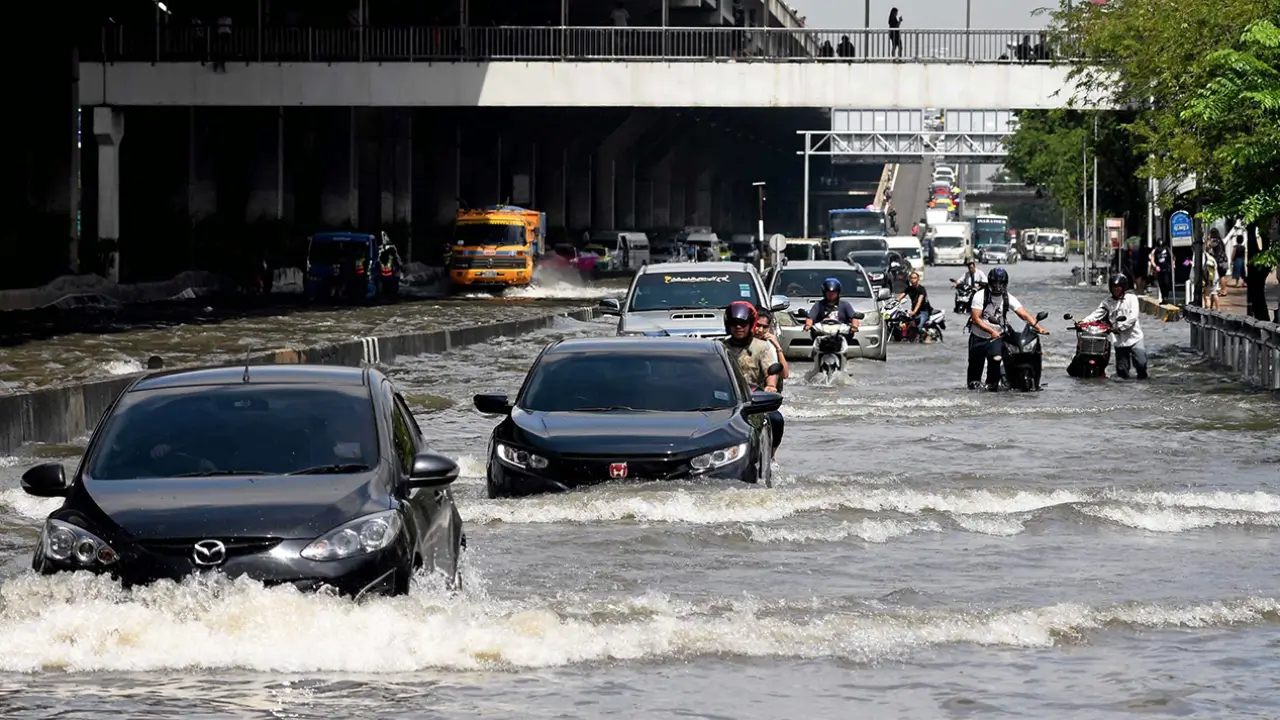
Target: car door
[426,506]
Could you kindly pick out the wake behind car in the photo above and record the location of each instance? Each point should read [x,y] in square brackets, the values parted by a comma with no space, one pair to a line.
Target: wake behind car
[309,475]
[687,299]
[801,282]
[656,409]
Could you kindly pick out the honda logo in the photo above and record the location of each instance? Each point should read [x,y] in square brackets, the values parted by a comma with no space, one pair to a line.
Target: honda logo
[209,552]
[617,470]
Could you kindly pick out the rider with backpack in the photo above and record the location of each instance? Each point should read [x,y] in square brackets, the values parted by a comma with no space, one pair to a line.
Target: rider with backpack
[989,312]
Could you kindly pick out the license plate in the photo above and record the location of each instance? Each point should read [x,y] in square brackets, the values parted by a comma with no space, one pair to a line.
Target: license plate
[489,273]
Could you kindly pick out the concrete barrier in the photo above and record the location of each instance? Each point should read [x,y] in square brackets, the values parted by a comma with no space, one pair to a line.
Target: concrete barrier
[63,414]
[1245,345]
[1167,313]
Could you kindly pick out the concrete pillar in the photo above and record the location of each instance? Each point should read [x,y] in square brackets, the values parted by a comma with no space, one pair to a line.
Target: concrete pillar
[202,186]
[614,183]
[265,200]
[340,191]
[108,131]
[549,187]
[580,206]
[660,215]
[644,201]
[625,197]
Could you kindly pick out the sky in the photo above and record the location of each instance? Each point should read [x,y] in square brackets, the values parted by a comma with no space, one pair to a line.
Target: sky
[922,14]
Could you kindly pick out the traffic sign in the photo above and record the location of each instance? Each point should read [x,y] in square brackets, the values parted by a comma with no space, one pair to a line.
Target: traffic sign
[1180,226]
[777,242]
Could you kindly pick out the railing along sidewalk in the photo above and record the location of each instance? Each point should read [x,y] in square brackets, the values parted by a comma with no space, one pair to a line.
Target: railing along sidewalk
[1245,345]
[171,43]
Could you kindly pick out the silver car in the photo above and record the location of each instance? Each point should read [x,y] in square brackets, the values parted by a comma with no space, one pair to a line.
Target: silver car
[687,299]
[804,278]
[997,255]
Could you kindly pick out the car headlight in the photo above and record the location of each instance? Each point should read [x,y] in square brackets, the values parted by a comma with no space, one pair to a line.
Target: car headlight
[71,543]
[363,535]
[719,458]
[520,458]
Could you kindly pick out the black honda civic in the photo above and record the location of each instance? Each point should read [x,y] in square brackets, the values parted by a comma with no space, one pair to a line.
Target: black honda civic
[310,475]
[595,410]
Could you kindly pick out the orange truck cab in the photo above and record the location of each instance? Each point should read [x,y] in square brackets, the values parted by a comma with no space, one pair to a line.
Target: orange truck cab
[495,247]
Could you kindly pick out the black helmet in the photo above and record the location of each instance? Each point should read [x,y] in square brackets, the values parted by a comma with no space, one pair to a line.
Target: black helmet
[998,280]
[740,312]
[830,285]
[1119,279]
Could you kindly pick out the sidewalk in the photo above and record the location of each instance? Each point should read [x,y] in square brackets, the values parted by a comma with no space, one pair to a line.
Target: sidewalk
[1237,302]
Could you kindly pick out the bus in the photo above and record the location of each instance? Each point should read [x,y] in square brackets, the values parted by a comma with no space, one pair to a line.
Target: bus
[990,230]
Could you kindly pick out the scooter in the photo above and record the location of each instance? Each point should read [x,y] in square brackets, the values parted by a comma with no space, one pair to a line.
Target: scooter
[1020,357]
[1093,348]
[964,296]
[829,346]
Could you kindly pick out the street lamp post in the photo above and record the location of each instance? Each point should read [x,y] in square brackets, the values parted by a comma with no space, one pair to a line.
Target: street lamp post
[760,223]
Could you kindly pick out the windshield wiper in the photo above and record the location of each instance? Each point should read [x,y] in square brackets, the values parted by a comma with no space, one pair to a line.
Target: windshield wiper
[709,408]
[216,473]
[604,408]
[331,469]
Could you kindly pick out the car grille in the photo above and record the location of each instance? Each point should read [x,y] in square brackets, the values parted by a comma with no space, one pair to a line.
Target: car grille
[1092,344]
[489,263]
[185,547]
[588,468]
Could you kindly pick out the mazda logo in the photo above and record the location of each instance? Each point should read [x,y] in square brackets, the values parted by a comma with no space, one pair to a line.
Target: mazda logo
[209,552]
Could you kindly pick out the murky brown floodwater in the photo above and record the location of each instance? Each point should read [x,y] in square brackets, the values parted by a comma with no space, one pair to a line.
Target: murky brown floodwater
[1098,550]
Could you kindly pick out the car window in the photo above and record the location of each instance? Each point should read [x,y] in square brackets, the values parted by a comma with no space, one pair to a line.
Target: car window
[870,261]
[402,438]
[692,290]
[666,382]
[266,429]
[808,283]
[414,429]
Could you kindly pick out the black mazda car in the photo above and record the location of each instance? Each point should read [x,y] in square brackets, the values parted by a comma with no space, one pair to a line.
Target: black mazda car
[311,475]
[594,410]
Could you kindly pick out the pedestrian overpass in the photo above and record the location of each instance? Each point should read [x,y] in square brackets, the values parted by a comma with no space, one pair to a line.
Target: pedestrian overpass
[572,67]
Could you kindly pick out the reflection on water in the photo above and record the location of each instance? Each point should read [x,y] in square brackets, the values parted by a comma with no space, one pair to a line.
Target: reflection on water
[934,551]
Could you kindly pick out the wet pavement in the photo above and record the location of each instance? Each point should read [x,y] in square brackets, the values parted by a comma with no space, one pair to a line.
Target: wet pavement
[1099,549]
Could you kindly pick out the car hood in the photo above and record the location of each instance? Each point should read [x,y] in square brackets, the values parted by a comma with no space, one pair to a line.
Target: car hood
[699,323]
[288,507]
[627,433]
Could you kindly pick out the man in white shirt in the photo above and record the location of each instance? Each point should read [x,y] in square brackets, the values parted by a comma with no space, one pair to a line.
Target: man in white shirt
[1127,333]
[988,311]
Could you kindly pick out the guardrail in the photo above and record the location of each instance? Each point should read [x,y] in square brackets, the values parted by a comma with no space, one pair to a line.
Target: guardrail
[1245,345]
[156,44]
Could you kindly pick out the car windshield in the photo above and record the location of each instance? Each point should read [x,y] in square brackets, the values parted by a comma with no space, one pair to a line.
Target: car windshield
[652,381]
[1051,240]
[997,248]
[857,223]
[799,251]
[840,248]
[943,241]
[691,290]
[808,283]
[911,252]
[608,243]
[486,234]
[236,430]
[329,252]
[872,261]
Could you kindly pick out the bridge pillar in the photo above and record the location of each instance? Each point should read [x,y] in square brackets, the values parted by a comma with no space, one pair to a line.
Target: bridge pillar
[335,141]
[660,193]
[549,177]
[625,197]
[108,132]
[581,169]
[614,184]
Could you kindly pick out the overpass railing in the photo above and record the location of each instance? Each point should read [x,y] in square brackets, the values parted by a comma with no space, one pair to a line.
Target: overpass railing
[167,43]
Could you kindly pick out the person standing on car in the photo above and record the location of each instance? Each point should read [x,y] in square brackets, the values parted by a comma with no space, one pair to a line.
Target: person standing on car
[920,307]
[1122,303]
[764,331]
[754,356]
[989,312]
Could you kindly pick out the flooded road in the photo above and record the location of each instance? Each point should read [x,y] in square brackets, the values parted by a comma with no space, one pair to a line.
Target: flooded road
[1099,549]
[208,338]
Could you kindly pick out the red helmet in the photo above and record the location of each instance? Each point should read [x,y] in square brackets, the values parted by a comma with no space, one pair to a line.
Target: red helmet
[740,311]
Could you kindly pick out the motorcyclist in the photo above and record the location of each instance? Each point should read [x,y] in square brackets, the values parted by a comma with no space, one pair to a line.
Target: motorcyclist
[829,304]
[764,331]
[1128,333]
[972,279]
[753,355]
[988,312]
[920,307]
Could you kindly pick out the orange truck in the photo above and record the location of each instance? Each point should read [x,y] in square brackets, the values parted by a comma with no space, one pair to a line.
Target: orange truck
[495,247]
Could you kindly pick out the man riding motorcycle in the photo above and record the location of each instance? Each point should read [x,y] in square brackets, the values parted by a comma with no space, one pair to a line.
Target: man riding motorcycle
[988,312]
[1128,334]
[974,278]
[831,303]
[920,307]
[753,355]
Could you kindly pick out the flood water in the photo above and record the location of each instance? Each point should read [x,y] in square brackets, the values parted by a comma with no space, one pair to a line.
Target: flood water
[1099,549]
[125,348]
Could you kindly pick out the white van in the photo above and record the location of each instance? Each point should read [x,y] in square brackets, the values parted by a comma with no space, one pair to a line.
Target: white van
[952,243]
[620,249]
[909,247]
[936,216]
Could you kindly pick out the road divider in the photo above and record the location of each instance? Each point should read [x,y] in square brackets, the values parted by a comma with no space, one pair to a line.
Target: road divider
[64,414]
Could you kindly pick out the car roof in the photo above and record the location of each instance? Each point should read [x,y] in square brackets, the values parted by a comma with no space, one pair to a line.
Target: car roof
[634,346]
[817,265]
[257,374]
[679,268]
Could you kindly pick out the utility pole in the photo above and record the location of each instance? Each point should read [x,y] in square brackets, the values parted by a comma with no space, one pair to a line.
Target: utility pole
[760,225]
[1098,253]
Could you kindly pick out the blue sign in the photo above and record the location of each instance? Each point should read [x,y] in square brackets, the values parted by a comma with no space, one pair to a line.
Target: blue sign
[1180,226]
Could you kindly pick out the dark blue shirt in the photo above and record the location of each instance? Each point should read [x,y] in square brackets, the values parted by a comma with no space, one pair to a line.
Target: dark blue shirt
[819,311]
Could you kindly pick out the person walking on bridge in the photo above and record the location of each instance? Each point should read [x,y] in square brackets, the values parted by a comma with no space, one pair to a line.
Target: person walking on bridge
[895,35]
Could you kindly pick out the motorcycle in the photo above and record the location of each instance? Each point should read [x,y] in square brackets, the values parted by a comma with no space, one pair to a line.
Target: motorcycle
[964,296]
[1093,348]
[1020,357]
[900,326]
[829,345]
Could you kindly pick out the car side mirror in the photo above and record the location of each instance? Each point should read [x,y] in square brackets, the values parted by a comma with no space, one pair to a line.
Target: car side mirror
[47,480]
[610,306]
[492,404]
[1042,315]
[432,470]
[775,369]
[1067,316]
[800,313]
[778,303]
[883,293]
[763,402]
